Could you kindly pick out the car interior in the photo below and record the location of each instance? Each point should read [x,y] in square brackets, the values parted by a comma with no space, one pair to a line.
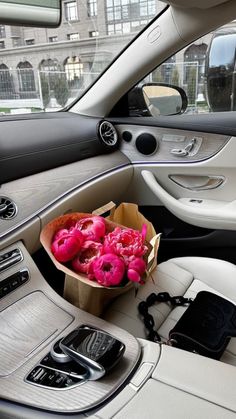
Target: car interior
[180,170]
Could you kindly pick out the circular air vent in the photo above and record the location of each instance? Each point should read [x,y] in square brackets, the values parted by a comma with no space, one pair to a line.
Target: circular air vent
[108,134]
[8,208]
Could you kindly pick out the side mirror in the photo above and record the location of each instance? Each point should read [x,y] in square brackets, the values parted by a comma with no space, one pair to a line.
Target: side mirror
[155,99]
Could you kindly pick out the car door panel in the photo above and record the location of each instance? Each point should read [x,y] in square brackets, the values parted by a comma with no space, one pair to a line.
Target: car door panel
[201,212]
[213,161]
[159,145]
[205,180]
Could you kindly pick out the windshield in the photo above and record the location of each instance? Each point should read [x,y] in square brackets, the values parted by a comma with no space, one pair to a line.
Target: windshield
[46,69]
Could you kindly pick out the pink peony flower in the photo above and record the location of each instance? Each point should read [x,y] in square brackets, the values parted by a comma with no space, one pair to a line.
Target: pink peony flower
[127,243]
[144,231]
[60,233]
[88,252]
[72,231]
[66,247]
[92,228]
[76,233]
[136,269]
[108,270]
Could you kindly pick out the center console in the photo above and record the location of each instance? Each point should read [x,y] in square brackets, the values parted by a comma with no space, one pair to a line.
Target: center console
[85,354]
[59,361]
[39,328]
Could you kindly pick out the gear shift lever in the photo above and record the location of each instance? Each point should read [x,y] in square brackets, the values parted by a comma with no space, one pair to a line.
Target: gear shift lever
[94,349]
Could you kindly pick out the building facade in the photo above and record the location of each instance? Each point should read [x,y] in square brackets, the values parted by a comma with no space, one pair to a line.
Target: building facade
[92,32]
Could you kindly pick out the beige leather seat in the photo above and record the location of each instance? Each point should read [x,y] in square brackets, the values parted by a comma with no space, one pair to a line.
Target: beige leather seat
[180,276]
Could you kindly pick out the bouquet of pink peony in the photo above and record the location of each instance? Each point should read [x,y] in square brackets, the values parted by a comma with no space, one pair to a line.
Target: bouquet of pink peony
[101,259]
[109,258]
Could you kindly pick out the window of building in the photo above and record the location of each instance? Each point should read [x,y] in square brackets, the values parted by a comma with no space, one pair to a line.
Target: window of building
[131,14]
[92,7]
[2,31]
[126,17]
[26,77]
[74,69]
[6,83]
[16,42]
[124,27]
[49,65]
[49,70]
[93,34]
[53,38]
[73,36]
[29,41]
[71,10]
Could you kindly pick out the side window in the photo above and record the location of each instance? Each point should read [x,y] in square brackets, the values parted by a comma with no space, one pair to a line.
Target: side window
[205,70]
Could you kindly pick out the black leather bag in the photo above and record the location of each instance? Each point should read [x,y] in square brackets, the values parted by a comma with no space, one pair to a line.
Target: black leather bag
[206,326]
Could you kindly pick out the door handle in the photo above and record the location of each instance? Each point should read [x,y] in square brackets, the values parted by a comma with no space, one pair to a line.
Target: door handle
[208,213]
[197,183]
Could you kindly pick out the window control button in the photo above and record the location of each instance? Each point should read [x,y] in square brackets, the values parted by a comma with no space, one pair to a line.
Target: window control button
[6,289]
[24,276]
[14,283]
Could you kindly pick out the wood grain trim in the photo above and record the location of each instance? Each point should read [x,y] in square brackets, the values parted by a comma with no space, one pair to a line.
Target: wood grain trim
[25,325]
[35,193]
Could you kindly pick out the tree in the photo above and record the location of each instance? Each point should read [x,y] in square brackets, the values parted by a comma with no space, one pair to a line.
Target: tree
[175,77]
[61,89]
[45,90]
[191,82]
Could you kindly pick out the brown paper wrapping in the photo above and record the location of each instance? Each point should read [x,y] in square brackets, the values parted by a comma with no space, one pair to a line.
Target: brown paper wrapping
[81,291]
[128,215]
